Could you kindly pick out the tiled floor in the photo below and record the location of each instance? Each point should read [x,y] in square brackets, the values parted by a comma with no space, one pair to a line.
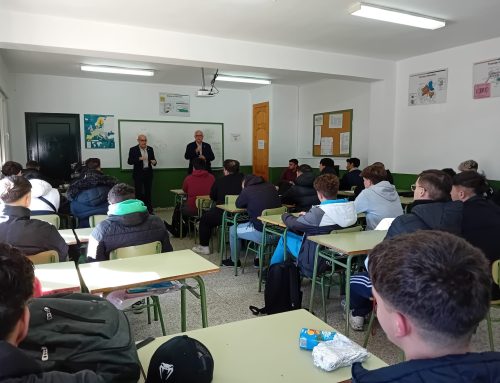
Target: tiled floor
[229,297]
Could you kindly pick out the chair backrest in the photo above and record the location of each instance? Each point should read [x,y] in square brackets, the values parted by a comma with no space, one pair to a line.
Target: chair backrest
[53,219]
[495,271]
[135,251]
[351,229]
[49,256]
[94,220]
[274,211]
[231,198]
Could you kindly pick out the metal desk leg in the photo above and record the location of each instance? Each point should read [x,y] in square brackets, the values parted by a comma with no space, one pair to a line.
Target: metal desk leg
[235,250]
[222,247]
[313,283]
[183,306]
[347,294]
[203,301]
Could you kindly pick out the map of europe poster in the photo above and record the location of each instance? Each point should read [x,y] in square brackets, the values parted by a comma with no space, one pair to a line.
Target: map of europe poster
[99,131]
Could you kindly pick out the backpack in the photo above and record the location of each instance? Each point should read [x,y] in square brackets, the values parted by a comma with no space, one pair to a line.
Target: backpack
[282,291]
[176,219]
[74,332]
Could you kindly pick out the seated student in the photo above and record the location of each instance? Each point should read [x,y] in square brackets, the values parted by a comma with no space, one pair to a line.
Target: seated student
[434,325]
[353,176]
[390,178]
[11,168]
[379,199]
[330,214]
[432,210]
[327,166]
[468,165]
[89,193]
[44,198]
[288,176]
[256,195]
[128,224]
[229,184]
[199,182]
[481,217]
[16,289]
[302,194]
[32,236]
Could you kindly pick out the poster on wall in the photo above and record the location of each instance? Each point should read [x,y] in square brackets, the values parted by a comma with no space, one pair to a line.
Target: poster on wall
[486,79]
[99,131]
[174,105]
[428,88]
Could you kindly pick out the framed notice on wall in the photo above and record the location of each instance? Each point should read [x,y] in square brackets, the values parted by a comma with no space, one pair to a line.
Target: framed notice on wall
[332,133]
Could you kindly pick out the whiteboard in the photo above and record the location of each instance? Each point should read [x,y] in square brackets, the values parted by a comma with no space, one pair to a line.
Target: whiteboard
[169,140]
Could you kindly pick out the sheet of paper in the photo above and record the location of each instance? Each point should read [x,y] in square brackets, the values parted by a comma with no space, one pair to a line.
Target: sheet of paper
[318,119]
[261,144]
[326,146]
[344,142]
[317,135]
[336,121]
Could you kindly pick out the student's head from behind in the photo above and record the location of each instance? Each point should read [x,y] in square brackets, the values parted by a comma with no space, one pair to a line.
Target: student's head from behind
[231,167]
[293,164]
[304,168]
[15,190]
[432,289]
[198,163]
[433,185]
[11,168]
[16,288]
[468,165]
[467,185]
[326,186]
[449,171]
[326,163]
[373,174]
[93,164]
[121,192]
[32,165]
[352,163]
[198,137]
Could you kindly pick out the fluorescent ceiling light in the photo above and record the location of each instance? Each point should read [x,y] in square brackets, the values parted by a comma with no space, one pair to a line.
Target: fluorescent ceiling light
[117,70]
[396,16]
[249,80]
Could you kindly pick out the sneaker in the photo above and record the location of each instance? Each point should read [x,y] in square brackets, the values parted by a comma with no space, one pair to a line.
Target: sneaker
[356,323]
[256,263]
[203,250]
[138,307]
[230,263]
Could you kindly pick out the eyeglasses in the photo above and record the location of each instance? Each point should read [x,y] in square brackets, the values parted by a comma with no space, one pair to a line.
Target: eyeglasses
[198,135]
[415,186]
[144,140]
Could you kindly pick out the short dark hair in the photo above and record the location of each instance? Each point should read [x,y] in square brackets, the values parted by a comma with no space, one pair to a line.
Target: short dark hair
[13,188]
[374,173]
[231,166]
[304,168]
[437,183]
[31,164]
[355,161]
[472,180]
[437,279]
[16,287]
[121,192]
[93,163]
[198,163]
[294,160]
[468,165]
[328,162]
[327,184]
[11,168]
[449,171]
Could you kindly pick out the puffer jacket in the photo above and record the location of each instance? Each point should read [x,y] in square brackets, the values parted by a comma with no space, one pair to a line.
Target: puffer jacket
[41,188]
[302,194]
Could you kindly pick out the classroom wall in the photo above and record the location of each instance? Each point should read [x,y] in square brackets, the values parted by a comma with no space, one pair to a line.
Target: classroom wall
[443,135]
[4,77]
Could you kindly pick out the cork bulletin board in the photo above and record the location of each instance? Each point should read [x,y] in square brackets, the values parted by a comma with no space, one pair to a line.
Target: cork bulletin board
[332,133]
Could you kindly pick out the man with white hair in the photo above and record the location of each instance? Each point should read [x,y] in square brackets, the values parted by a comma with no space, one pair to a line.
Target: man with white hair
[199,149]
[143,158]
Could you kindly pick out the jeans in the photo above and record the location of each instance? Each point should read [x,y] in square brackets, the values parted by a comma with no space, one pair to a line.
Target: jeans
[244,231]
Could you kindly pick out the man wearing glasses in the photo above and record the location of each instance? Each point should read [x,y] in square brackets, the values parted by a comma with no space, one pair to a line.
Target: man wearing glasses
[143,158]
[199,149]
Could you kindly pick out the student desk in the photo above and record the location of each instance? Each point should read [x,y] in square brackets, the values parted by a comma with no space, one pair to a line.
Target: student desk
[107,276]
[83,235]
[232,215]
[345,193]
[179,195]
[61,277]
[342,248]
[264,349]
[406,201]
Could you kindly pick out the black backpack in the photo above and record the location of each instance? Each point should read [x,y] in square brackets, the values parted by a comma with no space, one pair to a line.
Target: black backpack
[282,291]
[176,220]
[74,332]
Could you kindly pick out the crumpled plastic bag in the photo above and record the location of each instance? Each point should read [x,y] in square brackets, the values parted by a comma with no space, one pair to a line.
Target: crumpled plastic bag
[123,299]
[336,353]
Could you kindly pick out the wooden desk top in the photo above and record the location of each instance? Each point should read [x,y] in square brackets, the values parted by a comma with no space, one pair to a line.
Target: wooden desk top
[203,197]
[345,193]
[268,345]
[125,273]
[231,208]
[177,191]
[69,237]
[406,200]
[275,219]
[58,277]
[360,242]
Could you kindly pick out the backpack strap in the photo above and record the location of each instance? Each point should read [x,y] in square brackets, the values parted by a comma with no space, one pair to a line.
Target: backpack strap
[48,203]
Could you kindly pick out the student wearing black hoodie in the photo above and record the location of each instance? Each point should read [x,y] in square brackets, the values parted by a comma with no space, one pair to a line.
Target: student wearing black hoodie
[302,194]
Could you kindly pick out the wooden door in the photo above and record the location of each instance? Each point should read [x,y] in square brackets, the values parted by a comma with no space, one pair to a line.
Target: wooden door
[53,139]
[260,152]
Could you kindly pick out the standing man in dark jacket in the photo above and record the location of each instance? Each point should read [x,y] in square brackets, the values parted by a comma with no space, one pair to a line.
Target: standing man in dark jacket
[143,158]
[257,195]
[199,149]
[128,224]
[431,290]
[229,184]
[16,289]
[302,194]
[32,236]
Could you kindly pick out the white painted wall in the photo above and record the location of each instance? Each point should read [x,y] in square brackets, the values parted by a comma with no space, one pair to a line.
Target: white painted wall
[443,135]
[125,100]
[4,77]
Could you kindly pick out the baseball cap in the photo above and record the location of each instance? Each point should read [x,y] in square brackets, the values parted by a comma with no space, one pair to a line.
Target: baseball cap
[181,360]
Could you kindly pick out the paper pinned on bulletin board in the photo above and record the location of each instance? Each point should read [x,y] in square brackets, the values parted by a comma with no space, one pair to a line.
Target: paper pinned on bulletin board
[344,142]
[261,144]
[336,121]
[326,146]
[317,135]
[318,119]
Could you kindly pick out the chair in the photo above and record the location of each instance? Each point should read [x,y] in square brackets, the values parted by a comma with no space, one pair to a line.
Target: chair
[136,251]
[94,220]
[202,204]
[495,271]
[49,256]
[53,219]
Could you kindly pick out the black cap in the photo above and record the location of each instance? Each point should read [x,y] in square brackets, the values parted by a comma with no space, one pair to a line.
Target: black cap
[181,360]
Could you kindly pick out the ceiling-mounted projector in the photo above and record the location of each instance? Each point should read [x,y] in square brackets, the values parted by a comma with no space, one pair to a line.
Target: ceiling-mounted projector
[204,92]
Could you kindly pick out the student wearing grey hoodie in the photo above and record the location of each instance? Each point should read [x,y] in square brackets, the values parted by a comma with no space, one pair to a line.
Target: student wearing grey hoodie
[379,199]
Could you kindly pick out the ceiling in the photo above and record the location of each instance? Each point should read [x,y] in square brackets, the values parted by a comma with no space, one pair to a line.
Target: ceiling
[323,25]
